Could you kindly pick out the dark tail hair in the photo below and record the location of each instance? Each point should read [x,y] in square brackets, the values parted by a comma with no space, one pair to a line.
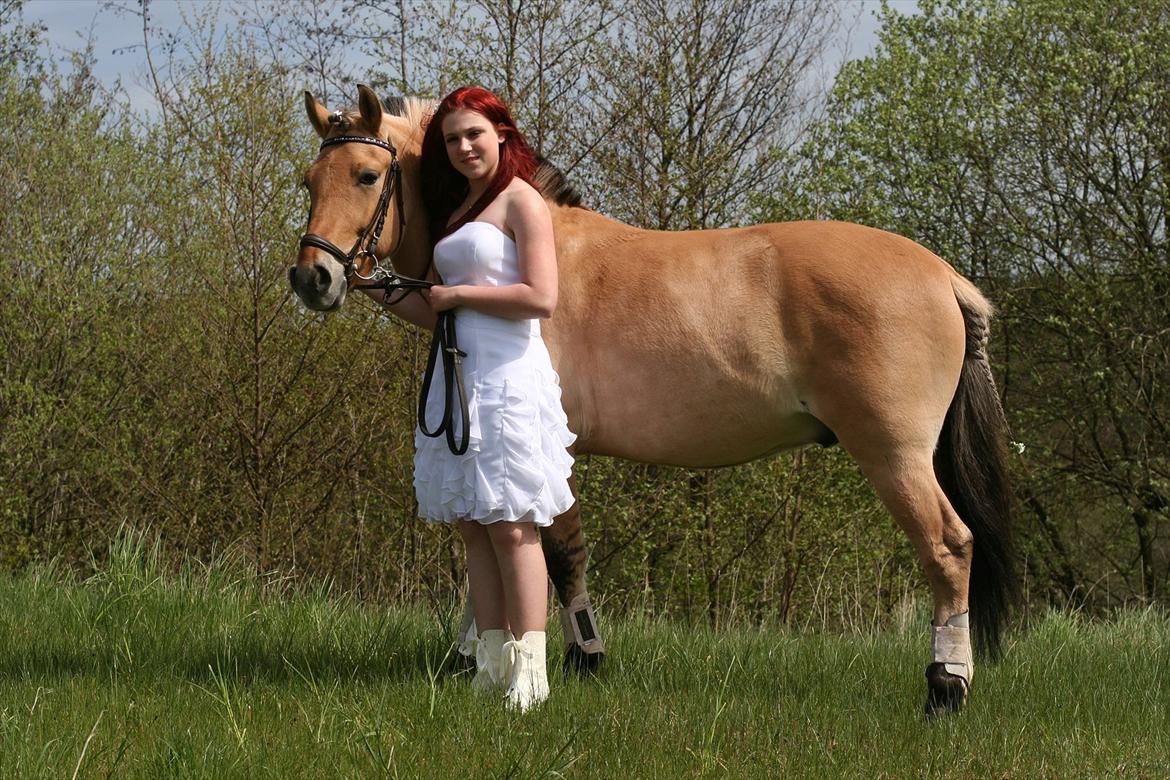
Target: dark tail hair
[971,466]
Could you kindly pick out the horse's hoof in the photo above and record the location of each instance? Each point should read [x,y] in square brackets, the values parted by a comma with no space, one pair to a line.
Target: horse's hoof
[580,662]
[945,692]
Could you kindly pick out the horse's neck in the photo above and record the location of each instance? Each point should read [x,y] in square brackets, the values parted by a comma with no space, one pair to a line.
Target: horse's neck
[413,259]
[413,256]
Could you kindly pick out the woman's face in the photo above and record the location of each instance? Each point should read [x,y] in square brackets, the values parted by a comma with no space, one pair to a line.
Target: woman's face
[473,144]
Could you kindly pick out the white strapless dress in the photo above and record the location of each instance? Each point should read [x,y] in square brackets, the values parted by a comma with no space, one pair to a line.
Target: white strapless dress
[516,467]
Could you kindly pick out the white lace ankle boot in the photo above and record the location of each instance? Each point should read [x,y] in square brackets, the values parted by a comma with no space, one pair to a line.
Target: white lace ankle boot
[491,673]
[528,681]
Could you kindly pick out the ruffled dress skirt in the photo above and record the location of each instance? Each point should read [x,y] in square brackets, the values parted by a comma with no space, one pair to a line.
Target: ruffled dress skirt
[516,467]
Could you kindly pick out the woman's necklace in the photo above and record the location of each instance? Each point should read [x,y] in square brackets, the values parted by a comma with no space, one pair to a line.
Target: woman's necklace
[464,207]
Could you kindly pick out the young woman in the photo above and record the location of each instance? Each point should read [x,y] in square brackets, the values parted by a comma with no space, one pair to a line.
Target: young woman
[493,247]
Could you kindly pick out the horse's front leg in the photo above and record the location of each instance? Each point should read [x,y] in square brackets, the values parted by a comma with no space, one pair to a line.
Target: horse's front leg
[566,556]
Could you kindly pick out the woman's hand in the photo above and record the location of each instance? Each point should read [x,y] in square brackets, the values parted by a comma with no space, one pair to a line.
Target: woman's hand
[444,297]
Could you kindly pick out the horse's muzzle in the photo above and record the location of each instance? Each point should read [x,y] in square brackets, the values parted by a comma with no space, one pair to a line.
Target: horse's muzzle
[320,286]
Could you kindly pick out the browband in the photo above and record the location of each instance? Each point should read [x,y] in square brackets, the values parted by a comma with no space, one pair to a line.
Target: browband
[360,139]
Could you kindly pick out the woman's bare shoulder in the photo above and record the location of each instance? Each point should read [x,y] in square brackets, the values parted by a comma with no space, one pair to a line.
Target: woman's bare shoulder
[524,201]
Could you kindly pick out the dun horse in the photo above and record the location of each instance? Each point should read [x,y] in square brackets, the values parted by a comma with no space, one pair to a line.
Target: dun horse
[782,334]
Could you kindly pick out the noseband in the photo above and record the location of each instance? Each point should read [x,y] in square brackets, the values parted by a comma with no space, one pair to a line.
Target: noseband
[380,278]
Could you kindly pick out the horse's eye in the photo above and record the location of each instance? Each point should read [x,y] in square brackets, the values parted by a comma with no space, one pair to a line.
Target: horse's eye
[368,177]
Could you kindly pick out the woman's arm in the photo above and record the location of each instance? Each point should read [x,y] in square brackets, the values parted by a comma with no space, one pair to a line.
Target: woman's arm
[536,294]
[413,308]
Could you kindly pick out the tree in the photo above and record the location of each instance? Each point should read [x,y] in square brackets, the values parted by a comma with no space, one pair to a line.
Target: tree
[703,94]
[74,239]
[158,374]
[19,41]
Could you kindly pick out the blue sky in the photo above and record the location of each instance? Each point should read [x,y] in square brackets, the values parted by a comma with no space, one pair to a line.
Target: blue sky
[118,35]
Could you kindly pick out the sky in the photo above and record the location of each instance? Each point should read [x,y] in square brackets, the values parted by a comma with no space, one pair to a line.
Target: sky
[118,35]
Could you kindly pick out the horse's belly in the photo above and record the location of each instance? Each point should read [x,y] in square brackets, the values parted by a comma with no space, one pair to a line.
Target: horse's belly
[682,426]
[701,447]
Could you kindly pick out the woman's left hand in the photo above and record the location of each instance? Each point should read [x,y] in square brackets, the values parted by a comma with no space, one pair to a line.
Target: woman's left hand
[444,297]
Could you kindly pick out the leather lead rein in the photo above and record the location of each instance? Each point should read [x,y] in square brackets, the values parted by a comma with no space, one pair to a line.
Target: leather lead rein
[443,341]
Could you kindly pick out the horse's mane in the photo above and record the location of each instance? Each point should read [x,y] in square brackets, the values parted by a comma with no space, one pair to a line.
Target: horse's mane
[553,184]
[414,110]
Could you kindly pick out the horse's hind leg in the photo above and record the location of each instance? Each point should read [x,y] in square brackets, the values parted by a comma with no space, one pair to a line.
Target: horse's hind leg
[566,556]
[907,485]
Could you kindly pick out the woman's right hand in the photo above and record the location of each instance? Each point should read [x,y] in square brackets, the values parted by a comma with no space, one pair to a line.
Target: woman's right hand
[445,297]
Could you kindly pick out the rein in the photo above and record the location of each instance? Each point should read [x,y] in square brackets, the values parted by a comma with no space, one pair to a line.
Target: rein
[443,338]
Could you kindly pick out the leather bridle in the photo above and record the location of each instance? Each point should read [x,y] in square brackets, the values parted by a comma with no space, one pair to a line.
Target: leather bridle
[443,339]
[367,243]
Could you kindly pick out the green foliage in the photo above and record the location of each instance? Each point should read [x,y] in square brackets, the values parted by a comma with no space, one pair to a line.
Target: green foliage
[71,248]
[158,371]
[798,540]
[161,375]
[158,374]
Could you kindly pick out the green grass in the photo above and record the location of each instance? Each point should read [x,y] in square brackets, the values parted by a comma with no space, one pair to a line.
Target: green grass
[135,673]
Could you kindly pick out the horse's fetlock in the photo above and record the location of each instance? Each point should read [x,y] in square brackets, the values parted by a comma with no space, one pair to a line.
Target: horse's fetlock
[951,647]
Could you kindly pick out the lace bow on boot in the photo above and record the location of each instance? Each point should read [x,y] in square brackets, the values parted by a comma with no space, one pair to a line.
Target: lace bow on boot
[528,681]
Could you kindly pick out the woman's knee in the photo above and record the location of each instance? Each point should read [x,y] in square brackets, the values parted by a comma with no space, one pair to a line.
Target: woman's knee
[512,535]
[473,533]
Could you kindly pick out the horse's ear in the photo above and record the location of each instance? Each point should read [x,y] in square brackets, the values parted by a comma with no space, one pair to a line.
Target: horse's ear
[370,107]
[318,114]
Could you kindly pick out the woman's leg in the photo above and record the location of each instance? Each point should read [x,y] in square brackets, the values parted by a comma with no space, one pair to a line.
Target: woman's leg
[525,581]
[483,574]
[522,574]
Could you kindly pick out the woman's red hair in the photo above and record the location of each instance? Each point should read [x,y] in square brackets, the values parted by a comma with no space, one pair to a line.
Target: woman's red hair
[443,187]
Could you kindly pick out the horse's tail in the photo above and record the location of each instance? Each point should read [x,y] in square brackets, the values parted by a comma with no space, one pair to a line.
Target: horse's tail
[971,466]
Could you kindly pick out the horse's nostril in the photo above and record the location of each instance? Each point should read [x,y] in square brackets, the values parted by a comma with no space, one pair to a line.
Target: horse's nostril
[323,277]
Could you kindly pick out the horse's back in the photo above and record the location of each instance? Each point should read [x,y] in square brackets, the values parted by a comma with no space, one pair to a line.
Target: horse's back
[711,347]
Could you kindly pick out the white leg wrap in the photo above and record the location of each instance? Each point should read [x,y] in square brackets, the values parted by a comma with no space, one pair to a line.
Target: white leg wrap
[467,630]
[951,646]
[580,627]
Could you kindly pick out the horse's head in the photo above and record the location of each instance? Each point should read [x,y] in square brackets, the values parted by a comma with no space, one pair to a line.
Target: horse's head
[356,214]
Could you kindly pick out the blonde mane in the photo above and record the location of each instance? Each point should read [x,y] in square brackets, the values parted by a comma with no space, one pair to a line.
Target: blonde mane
[416,111]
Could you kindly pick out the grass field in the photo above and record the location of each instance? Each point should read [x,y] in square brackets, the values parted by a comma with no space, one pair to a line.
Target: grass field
[136,673]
